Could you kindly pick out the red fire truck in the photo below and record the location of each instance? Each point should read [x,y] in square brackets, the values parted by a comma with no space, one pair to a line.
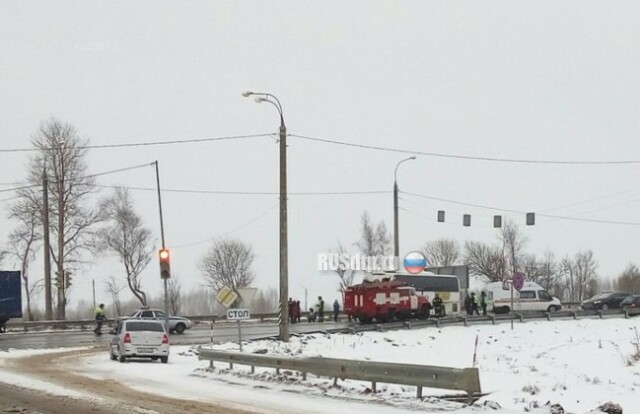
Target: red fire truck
[384,301]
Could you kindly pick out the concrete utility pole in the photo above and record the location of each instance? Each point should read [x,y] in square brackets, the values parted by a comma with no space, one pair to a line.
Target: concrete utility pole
[396,226]
[48,308]
[166,297]
[283,314]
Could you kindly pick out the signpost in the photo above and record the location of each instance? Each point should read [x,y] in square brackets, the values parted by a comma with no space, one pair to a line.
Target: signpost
[238,315]
[516,282]
[226,296]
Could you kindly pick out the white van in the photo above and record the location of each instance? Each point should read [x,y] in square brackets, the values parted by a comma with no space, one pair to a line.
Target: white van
[532,297]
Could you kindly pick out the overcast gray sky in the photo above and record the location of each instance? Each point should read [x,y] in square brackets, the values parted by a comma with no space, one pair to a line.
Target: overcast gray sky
[543,80]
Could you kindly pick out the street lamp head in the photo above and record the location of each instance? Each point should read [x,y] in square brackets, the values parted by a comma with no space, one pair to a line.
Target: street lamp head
[247,94]
[260,99]
[412,158]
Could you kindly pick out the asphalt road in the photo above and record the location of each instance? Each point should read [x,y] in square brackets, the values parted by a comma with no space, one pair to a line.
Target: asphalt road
[199,334]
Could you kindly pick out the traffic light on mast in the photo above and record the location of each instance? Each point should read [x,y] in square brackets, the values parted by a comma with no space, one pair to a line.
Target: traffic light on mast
[165,263]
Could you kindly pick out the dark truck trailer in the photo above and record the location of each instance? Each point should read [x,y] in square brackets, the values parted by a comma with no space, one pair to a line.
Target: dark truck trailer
[10,297]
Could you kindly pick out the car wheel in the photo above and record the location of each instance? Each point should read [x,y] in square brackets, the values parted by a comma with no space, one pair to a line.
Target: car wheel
[164,360]
[180,328]
[552,308]
[605,307]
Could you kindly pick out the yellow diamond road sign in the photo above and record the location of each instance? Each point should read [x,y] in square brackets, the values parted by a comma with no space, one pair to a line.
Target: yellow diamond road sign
[226,296]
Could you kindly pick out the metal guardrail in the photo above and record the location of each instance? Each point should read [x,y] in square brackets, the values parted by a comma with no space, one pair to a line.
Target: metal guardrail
[263,317]
[459,379]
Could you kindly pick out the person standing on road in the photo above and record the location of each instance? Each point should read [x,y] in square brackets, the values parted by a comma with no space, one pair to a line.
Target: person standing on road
[320,309]
[437,305]
[474,304]
[336,310]
[297,310]
[467,304]
[483,302]
[99,319]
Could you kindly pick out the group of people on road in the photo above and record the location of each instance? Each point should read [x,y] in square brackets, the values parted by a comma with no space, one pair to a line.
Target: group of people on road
[316,314]
[294,311]
[471,303]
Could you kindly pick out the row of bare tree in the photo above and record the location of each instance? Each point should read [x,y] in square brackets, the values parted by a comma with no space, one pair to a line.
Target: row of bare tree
[573,278]
[80,229]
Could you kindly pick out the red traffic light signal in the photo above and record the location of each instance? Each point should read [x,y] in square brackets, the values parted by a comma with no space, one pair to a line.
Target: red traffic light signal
[165,263]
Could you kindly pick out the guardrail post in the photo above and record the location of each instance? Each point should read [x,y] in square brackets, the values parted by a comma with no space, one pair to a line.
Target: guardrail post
[379,328]
[493,319]
[407,324]
[304,376]
[599,314]
[626,313]
[548,315]
[373,387]
[438,323]
[465,321]
[253,369]
[575,315]
[352,330]
[520,317]
[230,365]
[335,381]
[419,392]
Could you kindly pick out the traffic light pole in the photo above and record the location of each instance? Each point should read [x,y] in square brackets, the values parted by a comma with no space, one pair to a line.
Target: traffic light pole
[166,296]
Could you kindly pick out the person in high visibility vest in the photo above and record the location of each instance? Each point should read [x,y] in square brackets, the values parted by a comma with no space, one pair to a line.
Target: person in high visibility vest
[99,319]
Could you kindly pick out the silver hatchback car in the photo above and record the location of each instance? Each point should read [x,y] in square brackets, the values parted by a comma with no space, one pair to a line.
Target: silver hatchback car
[136,338]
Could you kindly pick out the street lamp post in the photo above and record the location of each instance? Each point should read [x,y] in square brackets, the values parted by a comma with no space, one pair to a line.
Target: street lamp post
[283,321]
[396,236]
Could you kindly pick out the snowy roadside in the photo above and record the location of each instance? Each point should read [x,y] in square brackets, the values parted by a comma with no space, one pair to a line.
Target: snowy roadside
[10,376]
[579,364]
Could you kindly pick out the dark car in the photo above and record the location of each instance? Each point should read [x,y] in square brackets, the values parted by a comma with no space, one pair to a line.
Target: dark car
[631,304]
[604,301]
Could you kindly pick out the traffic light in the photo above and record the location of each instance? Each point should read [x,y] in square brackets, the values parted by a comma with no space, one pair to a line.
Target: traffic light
[531,219]
[165,263]
[466,220]
[440,216]
[497,221]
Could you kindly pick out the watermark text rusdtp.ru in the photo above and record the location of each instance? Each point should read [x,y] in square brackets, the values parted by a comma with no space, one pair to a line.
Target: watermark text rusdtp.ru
[356,262]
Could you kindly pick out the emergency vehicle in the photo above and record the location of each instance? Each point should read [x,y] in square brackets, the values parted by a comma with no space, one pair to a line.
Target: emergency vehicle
[384,301]
[428,284]
[532,297]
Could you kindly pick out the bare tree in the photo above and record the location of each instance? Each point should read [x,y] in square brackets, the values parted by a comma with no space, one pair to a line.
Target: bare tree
[228,263]
[629,280]
[549,276]
[485,260]
[442,252]
[375,240]
[23,242]
[61,153]
[113,290]
[174,289]
[580,277]
[513,244]
[128,237]
[345,275]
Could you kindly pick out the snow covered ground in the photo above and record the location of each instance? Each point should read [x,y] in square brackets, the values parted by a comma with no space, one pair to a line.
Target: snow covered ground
[579,364]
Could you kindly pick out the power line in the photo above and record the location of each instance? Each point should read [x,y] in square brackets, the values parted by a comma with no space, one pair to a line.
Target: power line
[77,179]
[147,143]
[522,212]
[262,193]
[462,157]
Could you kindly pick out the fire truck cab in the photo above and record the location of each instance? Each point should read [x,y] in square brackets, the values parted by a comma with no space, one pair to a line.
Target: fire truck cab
[384,301]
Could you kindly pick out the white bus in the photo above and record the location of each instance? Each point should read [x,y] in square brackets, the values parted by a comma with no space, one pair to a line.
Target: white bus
[428,284]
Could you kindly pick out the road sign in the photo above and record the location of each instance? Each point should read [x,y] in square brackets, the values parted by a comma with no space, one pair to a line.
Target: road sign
[238,314]
[518,281]
[226,296]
